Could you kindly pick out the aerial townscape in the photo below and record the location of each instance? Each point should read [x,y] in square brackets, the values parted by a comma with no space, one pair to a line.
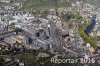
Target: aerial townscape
[49,33]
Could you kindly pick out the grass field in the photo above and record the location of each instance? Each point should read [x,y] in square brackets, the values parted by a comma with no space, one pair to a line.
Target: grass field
[44,4]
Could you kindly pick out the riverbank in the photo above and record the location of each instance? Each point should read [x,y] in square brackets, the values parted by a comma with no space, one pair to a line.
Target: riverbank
[86,37]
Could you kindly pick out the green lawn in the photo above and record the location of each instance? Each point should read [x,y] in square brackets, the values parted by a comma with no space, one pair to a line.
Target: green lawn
[26,57]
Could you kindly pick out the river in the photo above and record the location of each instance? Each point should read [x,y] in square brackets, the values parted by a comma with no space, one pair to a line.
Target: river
[91,26]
